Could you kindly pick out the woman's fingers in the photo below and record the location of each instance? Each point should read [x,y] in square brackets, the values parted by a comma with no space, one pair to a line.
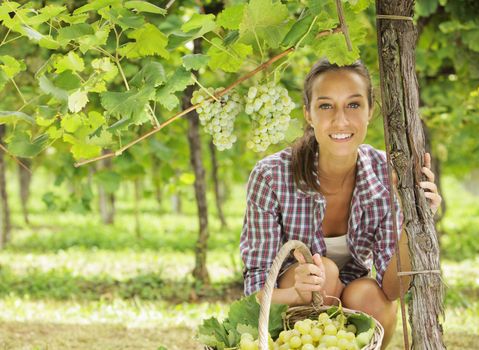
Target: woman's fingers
[298,256]
[426,185]
[427,160]
[307,287]
[435,200]
[429,174]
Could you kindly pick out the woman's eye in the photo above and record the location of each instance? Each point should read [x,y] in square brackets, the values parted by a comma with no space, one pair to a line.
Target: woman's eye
[325,106]
[353,105]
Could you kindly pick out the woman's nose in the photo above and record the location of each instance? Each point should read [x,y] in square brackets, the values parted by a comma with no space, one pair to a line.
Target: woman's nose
[340,117]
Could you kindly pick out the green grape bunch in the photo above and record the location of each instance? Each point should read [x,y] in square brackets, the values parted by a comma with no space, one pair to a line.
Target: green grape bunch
[332,332]
[218,116]
[269,106]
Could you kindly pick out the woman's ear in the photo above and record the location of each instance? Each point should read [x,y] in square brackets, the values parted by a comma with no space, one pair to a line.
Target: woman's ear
[307,116]
[371,113]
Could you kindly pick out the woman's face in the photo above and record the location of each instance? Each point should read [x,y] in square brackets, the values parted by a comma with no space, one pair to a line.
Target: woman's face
[339,112]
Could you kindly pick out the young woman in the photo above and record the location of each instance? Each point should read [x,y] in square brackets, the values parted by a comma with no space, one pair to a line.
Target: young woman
[331,192]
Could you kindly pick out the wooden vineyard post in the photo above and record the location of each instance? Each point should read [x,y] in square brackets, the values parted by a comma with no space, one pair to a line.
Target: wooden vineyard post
[405,146]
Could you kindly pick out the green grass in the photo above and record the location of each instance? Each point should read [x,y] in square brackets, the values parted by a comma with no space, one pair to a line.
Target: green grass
[73,282]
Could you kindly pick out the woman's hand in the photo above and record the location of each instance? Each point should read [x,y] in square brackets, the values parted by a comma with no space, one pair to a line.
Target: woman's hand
[429,186]
[308,278]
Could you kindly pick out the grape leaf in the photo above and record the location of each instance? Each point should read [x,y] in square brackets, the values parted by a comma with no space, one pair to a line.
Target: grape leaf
[73,32]
[104,139]
[73,19]
[149,40]
[77,100]
[21,144]
[167,100]
[67,81]
[212,333]
[11,66]
[246,311]
[230,17]
[72,62]
[71,122]
[195,61]
[96,5]
[152,74]
[130,104]
[99,38]
[180,79]
[362,322]
[204,23]
[45,14]
[264,19]
[222,58]
[144,6]
[47,87]
[298,30]
[12,117]
[122,17]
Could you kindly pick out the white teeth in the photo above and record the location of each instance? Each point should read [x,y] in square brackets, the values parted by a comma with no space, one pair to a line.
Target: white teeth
[341,136]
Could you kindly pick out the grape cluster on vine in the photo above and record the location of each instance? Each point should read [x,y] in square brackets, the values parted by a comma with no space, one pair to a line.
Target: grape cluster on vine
[218,116]
[269,106]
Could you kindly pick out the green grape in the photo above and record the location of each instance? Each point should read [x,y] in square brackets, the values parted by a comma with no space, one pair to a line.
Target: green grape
[295,342]
[344,344]
[323,318]
[306,339]
[350,336]
[284,336]
[247,336]
[342,334]
[284,347]
[303,327]
[351,328]
[247,344]
[308,347]
[330,329]
[316,333]
[329,340]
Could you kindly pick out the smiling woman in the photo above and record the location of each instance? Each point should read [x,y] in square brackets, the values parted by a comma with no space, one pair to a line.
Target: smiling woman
[331,192]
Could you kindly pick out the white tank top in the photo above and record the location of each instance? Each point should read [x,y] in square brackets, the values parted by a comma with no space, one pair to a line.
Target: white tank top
[337,250]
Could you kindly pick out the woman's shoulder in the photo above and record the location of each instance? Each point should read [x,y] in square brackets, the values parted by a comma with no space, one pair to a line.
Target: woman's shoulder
[279,161]
[375,156]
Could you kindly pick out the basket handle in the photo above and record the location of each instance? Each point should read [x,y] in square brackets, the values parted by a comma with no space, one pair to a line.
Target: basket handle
[265,302]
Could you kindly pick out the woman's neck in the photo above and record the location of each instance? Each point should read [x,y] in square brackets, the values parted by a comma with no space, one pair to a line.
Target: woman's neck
[335,172]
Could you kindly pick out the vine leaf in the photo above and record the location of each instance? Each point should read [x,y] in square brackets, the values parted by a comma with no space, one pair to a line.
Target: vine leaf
[195,61]
[264,19]
[231,17]
[203,23]
[77,100]
[144,6]
[149,40]
[21,145]
[221,58]
[72,62]
[129,105]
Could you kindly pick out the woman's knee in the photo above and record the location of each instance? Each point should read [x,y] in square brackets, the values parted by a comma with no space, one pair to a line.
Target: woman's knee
[365,295]
[330,268]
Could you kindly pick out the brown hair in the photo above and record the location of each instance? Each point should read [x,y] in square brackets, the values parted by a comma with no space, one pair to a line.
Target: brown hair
[305,148]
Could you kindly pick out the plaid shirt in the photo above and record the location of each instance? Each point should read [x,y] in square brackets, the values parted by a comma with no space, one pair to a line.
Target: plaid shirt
[277,211]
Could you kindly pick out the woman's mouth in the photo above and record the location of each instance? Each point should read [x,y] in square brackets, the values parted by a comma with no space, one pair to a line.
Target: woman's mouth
[341,136]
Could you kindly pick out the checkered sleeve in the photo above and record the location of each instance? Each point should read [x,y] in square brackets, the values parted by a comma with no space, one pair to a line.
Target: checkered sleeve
[261,234]
[384,244]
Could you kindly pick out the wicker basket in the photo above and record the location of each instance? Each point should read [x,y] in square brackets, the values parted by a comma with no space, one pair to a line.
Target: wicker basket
[299,312]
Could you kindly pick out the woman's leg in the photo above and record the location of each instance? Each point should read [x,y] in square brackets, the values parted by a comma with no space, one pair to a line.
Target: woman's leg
[365,295]
[333,285]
